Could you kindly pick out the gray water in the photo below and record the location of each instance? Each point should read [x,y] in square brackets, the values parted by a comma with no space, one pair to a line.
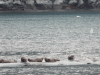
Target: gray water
[52,35]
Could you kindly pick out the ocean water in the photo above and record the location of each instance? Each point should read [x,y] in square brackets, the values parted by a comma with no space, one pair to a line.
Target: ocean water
[51,35]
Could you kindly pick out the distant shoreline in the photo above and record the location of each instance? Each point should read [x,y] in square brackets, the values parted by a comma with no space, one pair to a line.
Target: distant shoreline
[41,11]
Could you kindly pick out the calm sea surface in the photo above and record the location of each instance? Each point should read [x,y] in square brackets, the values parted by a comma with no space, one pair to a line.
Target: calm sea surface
[52,35]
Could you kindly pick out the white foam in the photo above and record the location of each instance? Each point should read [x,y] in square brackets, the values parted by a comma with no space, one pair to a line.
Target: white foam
[91,31]
[78,16]
[12,64]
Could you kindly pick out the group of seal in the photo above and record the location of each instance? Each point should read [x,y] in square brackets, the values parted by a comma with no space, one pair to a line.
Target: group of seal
[23,59]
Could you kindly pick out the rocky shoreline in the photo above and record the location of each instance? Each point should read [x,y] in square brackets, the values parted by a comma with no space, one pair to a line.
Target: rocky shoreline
[41,11]
[25,6]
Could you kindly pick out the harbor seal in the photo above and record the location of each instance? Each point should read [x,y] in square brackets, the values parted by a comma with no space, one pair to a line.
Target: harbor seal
[23,59]
[35,60]
[51,60]
[7,61]
[71,57]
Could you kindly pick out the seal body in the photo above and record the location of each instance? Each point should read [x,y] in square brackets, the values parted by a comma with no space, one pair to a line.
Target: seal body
[51,60]
[7,61]
[35,60]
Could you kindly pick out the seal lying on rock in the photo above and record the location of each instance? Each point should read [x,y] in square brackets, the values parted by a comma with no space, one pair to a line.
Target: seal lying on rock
[7,61]
[41,59]
[71,57]
[51,60]
[23,59]
[35,60]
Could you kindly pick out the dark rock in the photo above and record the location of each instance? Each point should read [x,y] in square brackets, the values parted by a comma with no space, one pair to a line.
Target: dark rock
[88,63]
[40,6]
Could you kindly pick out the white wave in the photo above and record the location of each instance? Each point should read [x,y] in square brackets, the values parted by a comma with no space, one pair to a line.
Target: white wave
[78,16]
[12,64]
